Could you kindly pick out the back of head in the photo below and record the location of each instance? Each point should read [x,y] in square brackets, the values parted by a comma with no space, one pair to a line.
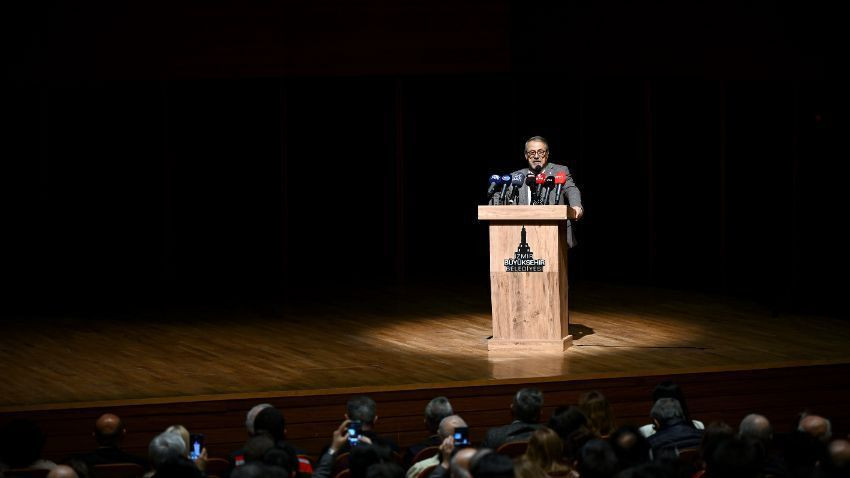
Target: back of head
[21,443]
[630,446]
[597,460]
[363,456]
[252,415]
[648,470]
[166,447]
[283,459]
[545,448]
[528,402]
[108,430]
[566,420]
[527,469]
[816,426]
[666,410]
[668,389]
[385,470]
[598,412]
[492,465]
[756,427]
[715,434]
[183,432]
[250,470]
[448,425]
[436,410]
[838,463]
[62,471]
[271,422]
[257,446]
[735,458]
[362,408]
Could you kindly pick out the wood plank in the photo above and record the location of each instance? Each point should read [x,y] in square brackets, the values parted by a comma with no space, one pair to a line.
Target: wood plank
[523,213]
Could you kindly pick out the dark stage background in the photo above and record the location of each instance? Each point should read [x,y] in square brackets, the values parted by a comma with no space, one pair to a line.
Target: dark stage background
[225,150]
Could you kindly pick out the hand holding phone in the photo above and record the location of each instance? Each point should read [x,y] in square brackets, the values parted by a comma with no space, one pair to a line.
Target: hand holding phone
[355,429]
[461,436]
[196,445]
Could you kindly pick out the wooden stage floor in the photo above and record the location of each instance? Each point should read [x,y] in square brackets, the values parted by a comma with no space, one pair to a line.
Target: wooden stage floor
[392,340]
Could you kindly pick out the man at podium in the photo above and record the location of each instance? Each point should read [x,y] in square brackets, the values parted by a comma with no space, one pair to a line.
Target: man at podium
[537,155]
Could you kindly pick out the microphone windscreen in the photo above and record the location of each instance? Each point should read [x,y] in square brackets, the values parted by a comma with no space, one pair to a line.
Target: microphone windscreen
[550,182]
[561,178]
[540,178]
[538,168]
[517,180]
[495,179]
[506,179]
[530,179]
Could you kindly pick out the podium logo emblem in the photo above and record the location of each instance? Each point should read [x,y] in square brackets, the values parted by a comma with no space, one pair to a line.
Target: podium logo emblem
[523,260]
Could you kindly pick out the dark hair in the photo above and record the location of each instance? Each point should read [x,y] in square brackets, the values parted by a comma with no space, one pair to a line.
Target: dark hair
[597,460]
[595,406]
[250,470]
[527,405]
[630,446]
[715,434]
[668,389]
[385,470]
[361,408]
[492,465]
[21,443]
[270,421]
[363,456]
[649,470]
[257,446]
[566,420]
[545,449]
[284,458]
[736,458]
[436,410]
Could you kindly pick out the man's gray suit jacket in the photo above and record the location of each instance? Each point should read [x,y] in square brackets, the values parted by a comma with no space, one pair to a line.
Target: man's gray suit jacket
[570,194]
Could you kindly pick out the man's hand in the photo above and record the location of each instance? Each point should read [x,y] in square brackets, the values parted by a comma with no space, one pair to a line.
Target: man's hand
[201,460]
[340,436]
[576,212]
[446,449]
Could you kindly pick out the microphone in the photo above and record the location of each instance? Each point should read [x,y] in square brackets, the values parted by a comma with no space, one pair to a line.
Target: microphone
[517,180]
[530,181]
[505,180]
[560,180]
[547,186]
[537,169]
[494,181]
[539,179]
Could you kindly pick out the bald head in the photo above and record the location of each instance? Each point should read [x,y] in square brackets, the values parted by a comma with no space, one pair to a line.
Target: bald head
[816,426]
[108,430]
[62,471]
[756,427]
[448,425]
[839,453]
[460,462]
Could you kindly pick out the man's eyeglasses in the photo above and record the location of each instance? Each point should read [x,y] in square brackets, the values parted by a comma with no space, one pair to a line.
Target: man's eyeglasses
[539,152]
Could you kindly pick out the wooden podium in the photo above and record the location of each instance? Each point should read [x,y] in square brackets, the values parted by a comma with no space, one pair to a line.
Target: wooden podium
[528,277]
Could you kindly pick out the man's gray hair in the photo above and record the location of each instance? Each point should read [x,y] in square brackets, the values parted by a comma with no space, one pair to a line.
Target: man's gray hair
[448,425]
[252,415]
[665,409]
[362,408]
[757,427]
[535,138]
[436,410]
[164,447]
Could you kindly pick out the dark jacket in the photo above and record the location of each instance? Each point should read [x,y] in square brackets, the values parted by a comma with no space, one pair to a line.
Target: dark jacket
[516,431]
[675,434]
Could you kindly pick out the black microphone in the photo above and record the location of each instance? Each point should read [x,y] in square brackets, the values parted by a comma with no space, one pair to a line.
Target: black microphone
[505,180]
[547,187]
[517,180]
[531,182]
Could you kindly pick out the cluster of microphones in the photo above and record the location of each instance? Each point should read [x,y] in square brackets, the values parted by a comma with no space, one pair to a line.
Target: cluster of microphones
[505,189]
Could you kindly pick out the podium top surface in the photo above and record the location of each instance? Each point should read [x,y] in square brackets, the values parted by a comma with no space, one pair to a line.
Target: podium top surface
[522,213]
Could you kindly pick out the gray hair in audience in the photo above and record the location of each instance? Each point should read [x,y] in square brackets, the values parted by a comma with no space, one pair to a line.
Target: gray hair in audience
[756,427]
[436,410]
[665,409]
[166,446]
[448,425]
[362,408]
[252,415]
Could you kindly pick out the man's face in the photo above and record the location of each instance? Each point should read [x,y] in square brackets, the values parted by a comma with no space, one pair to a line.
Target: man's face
[537,154]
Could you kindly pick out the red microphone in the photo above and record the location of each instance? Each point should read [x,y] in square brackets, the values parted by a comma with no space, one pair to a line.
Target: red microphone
[560,180]
[539,179]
